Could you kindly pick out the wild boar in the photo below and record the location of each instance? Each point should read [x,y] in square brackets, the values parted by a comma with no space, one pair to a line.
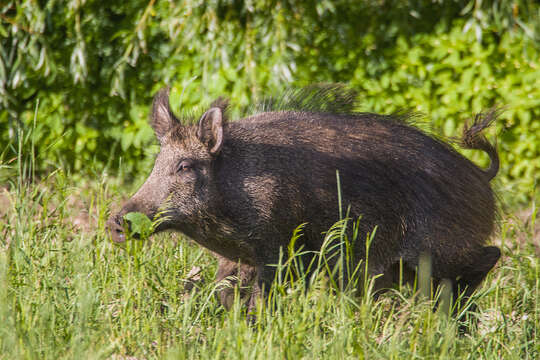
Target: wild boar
[239,188]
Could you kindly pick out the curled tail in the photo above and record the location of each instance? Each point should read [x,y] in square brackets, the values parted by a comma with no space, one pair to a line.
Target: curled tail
[473,139]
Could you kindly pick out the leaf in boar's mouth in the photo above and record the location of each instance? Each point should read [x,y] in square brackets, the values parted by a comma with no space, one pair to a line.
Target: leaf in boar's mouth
[140,224]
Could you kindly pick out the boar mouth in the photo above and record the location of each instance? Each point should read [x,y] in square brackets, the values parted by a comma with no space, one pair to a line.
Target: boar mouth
[118,226]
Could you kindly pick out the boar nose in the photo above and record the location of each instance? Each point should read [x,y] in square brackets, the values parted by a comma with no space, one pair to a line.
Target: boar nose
[116,228]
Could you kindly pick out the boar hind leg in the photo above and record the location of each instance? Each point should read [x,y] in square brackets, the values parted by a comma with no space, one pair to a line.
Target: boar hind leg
[398,274]
[473,275]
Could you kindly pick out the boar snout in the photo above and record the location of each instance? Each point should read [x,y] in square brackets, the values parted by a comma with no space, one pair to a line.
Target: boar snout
[115,226]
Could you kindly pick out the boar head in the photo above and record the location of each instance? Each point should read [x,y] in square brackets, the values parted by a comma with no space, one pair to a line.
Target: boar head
[180,188]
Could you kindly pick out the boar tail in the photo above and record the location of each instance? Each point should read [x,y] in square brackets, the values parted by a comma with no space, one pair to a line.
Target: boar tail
[473,139]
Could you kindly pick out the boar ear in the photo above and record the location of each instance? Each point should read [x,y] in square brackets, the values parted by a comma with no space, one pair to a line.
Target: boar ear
[162,119]
[210,130]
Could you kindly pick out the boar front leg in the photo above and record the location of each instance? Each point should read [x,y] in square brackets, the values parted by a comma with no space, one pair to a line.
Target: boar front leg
[240,276]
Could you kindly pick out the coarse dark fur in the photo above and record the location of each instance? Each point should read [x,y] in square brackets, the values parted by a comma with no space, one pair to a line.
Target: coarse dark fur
[240,188]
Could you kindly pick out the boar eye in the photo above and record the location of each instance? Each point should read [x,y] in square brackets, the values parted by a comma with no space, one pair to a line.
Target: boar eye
[185,165]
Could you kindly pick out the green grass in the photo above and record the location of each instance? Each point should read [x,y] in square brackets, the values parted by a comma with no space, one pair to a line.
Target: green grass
[67,292]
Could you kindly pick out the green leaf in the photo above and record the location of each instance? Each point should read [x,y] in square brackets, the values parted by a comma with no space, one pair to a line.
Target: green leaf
[140,224]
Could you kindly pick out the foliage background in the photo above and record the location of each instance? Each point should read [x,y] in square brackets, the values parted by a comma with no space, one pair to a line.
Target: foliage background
[88,69]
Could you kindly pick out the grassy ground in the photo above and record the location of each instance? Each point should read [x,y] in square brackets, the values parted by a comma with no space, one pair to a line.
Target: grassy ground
[67,292]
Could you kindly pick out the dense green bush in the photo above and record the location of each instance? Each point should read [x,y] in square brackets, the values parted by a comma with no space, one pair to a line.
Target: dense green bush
[85,72]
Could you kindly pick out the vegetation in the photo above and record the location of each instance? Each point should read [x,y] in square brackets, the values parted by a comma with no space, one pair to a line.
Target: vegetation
[76,82]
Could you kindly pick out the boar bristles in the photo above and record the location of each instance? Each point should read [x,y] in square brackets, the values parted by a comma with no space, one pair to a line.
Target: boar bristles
[326,98]
[316,98]
[222,103]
